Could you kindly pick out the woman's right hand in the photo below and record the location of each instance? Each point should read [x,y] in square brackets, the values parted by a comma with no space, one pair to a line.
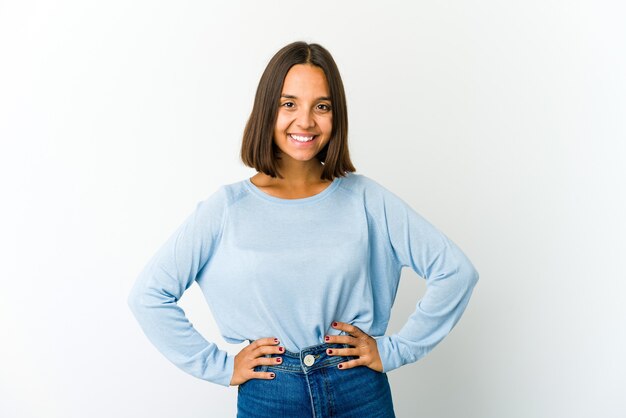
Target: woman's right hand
[253,355]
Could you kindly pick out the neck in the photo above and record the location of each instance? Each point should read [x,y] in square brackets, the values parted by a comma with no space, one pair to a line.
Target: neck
[300,172]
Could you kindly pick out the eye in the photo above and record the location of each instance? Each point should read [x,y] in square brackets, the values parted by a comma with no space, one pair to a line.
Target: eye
[323,107]
[288,105]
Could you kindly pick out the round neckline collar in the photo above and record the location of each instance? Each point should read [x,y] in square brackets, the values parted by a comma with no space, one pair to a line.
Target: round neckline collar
[316,197]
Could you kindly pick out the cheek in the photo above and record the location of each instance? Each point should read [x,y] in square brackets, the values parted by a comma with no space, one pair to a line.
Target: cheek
[282,123]
[327,124]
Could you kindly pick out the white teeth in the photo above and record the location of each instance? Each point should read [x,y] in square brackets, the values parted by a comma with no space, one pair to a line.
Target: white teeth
[302,138]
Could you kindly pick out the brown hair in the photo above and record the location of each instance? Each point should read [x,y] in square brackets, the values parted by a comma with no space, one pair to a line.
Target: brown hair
[258,149]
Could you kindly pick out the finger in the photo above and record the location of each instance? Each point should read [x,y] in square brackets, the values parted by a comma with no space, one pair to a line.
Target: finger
[267,361]
[263,375]
[267,349]
[349,328]
[350,364]
[263,342]
[343,352]
[341,339]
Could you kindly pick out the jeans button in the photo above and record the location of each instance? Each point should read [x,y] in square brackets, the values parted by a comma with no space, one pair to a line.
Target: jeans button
[309,360]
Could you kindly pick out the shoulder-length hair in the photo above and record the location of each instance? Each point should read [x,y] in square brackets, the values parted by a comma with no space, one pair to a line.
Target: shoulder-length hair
[258,149]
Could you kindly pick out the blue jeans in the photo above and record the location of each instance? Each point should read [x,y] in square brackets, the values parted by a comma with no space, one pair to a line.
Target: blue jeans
[309,384]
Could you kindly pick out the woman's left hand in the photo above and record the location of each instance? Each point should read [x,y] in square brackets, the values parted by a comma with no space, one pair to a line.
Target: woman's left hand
[363,346]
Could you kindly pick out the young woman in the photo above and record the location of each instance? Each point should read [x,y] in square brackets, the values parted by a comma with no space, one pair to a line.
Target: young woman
[302,260]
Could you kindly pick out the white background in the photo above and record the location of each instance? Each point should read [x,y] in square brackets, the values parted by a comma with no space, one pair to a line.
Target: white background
[501,122]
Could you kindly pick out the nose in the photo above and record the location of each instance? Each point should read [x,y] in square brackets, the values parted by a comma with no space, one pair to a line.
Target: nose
[305,119]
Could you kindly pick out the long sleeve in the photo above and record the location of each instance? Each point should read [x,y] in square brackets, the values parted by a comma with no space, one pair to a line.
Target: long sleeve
[154,296]
[450,278]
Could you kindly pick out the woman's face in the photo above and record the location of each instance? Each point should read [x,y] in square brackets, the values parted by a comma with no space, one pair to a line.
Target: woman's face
[305,117]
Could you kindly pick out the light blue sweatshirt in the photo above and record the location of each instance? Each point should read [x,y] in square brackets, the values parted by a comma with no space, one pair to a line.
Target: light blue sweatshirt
[288,268]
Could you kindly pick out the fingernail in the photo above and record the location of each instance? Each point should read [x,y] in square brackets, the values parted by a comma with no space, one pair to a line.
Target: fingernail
[334,324]
[330,351]
[280,349]
[278,360]
[275,340]
[327,338]
[272,374]
[340,366]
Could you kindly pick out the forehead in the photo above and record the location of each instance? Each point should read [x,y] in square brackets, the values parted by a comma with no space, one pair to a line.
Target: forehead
[305,78]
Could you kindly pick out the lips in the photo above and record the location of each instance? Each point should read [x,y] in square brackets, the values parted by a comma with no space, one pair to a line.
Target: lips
[302,137]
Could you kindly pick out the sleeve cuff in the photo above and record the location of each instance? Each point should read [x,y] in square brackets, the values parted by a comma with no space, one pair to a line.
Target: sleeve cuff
[227,375]
[391,354]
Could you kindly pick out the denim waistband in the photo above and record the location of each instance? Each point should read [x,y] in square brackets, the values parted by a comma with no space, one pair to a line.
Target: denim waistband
[306,360]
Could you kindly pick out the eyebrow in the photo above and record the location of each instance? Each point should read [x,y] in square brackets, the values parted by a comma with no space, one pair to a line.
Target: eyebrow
[290,96]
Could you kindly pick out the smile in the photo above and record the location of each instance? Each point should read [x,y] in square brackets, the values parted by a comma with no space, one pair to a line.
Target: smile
[300,138]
